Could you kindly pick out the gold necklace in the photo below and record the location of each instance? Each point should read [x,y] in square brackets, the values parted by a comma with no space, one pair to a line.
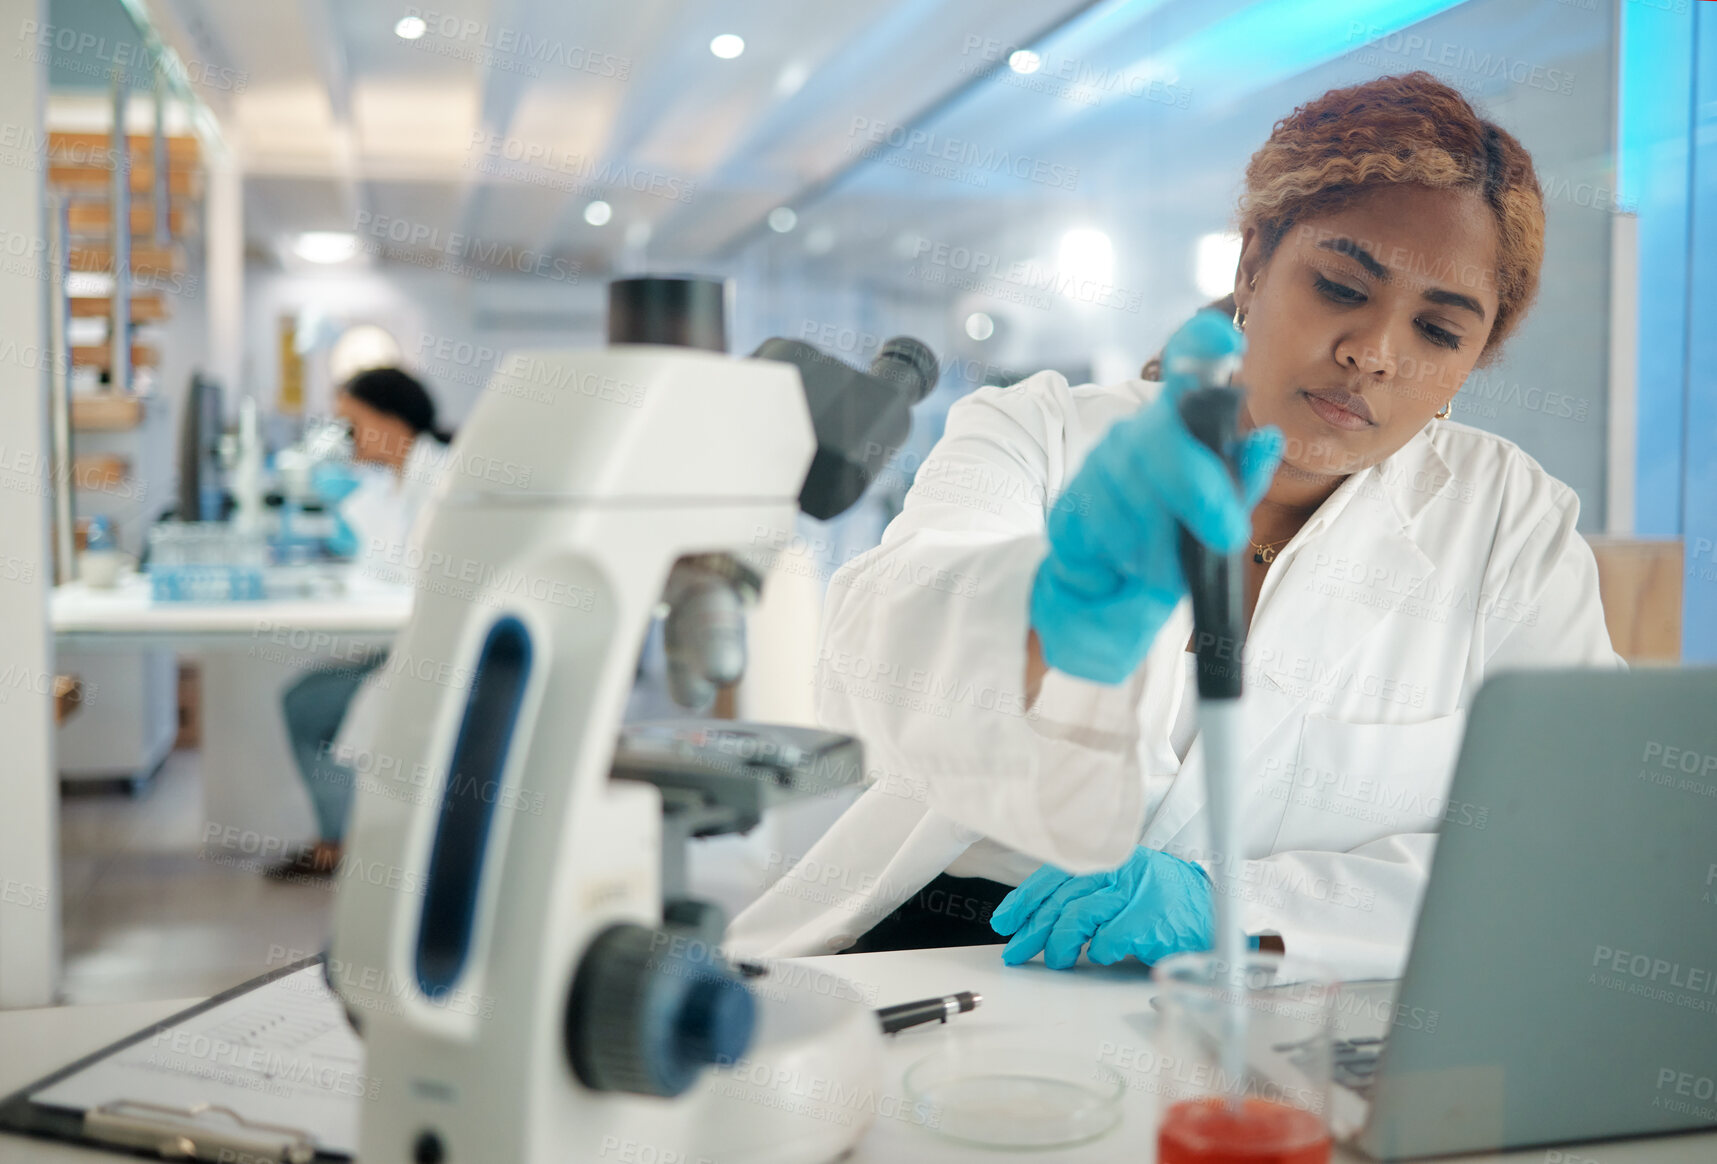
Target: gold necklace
[1267,553]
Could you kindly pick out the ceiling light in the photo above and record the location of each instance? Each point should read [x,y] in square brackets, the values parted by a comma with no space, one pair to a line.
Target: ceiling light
[820,241]
[598,213]
[782,219]
[792,79]
[727,46]
[980,326]
[1214,263]
[1024,61]
[1086,256]
[325,246]
[410,27]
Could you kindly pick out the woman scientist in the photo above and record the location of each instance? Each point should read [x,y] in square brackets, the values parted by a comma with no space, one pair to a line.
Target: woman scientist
[400,453]
[1041,711]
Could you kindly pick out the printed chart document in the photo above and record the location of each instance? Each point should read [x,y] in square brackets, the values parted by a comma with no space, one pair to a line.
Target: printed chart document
[280,1054]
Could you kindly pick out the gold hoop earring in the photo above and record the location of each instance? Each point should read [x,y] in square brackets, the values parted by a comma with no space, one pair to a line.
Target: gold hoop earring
[1447,408]
[1240,316]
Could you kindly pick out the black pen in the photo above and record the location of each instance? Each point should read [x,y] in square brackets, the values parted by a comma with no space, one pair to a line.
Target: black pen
[929,1010]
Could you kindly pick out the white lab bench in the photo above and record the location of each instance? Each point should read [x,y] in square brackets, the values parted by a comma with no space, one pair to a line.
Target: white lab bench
[249,652]
[1031,1006]
[127,618]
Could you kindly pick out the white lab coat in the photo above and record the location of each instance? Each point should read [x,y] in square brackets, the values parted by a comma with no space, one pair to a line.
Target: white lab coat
[387,511]
[1455,557]
[388,514]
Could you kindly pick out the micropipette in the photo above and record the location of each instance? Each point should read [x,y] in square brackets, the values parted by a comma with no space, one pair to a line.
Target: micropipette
[1216,583]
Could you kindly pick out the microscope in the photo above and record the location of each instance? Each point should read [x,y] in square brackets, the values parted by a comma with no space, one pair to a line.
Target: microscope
[528,987]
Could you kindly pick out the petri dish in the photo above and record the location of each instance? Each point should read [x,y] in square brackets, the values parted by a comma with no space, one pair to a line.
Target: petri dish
[1015,1097]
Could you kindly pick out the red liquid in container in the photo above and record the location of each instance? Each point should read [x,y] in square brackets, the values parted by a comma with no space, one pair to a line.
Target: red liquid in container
[1206,1131]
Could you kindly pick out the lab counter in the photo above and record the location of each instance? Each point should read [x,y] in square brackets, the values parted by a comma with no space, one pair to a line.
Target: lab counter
[248,653]
[125,617]
[1085,1011]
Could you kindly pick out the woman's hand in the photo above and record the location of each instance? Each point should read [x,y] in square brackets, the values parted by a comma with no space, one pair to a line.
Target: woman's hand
[1113,573]
[1152,906]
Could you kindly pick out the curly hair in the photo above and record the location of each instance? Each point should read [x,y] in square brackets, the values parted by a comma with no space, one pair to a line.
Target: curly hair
[1408,129]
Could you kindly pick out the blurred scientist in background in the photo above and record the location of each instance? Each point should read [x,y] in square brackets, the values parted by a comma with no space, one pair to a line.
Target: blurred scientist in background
[1392,241]
[397,452]
[398,455]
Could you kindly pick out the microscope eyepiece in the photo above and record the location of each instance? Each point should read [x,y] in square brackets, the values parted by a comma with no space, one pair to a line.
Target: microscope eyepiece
[910,364]
[860,418]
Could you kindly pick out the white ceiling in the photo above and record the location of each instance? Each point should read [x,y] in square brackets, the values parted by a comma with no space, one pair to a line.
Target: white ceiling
[340,124]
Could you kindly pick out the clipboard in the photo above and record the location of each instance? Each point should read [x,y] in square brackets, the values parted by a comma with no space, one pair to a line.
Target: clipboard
[194,1130]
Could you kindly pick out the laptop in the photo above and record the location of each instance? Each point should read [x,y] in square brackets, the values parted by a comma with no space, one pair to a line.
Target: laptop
[1562,983]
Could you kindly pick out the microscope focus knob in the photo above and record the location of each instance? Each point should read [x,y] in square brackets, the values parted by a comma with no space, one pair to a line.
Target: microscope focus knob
[645,1015]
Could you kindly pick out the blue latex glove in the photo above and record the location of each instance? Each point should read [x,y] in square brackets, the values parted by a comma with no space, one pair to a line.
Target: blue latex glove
[333,481]
[343,542]
[1113,575]
[1152,906]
